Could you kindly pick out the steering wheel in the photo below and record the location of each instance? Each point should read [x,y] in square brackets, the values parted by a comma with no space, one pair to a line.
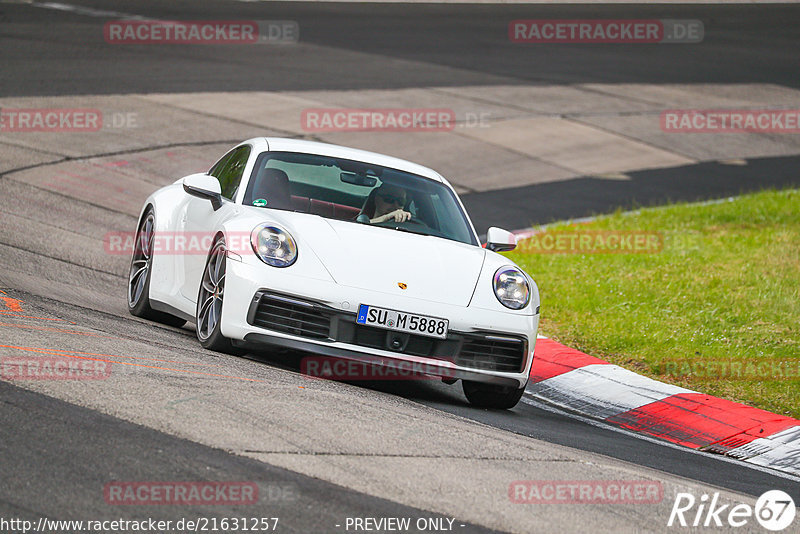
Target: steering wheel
[364,219]
[410,222]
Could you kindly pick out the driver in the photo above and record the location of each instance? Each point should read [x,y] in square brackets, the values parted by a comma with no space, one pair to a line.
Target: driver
[386,203]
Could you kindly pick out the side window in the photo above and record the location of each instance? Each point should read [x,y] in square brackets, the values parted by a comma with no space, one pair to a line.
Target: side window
[229,170]
[218,166]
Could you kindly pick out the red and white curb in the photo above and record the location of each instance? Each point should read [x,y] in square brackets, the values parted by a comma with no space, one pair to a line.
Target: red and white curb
[575,381]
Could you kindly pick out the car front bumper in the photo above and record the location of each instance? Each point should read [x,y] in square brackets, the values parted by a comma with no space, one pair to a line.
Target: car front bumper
[318,316]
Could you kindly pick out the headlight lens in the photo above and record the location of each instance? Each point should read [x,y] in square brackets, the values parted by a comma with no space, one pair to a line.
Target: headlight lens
[511,288]
[274,245]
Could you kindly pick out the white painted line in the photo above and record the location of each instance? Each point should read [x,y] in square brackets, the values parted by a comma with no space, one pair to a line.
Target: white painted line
[525,233]
[88,11]
[603,390]
[501,2]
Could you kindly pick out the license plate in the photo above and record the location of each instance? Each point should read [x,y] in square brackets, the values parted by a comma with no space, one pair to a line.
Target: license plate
[402,321]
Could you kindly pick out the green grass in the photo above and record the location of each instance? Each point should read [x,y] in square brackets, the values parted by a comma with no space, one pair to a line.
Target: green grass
[725,287]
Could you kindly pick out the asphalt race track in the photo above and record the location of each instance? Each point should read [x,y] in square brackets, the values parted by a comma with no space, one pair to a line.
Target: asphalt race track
[321,452]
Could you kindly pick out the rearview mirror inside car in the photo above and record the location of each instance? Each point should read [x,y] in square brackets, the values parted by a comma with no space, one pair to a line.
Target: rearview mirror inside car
[358,179]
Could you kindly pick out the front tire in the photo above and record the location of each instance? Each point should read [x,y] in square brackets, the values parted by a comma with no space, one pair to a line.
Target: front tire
[209,301]
[141,272]
[491,395]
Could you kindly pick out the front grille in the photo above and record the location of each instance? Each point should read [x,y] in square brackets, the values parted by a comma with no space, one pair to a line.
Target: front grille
[492,353]
[290,316]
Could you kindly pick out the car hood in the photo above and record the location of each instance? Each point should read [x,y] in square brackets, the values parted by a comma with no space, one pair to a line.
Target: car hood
[381,259]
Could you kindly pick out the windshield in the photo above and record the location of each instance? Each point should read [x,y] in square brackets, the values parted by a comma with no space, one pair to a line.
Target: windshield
[357,192]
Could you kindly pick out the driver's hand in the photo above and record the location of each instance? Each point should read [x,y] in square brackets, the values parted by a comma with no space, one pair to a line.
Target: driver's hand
[398,215]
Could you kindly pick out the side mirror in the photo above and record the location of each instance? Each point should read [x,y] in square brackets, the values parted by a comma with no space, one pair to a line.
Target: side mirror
[204,186]
[500,240]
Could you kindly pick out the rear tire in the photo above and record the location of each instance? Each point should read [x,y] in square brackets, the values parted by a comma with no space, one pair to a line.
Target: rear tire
[209,301]
[140,273]
[491,395]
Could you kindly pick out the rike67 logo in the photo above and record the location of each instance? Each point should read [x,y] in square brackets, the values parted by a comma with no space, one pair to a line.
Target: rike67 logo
[774,510]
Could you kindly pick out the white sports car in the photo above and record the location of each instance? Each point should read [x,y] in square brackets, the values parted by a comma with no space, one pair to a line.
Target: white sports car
[340,252]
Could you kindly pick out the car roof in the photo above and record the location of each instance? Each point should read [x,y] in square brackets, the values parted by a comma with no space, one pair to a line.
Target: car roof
[281,144]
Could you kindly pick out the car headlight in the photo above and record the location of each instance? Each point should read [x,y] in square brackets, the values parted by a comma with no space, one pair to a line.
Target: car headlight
[274,245]
[511,288]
